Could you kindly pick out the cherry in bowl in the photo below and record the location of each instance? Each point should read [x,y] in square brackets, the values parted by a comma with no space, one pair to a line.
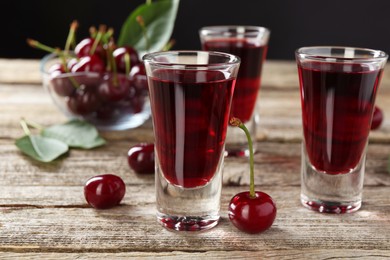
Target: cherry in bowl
[94,96]
[104,191]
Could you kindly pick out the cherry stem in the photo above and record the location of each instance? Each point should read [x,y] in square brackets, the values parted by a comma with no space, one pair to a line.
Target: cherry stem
[237,122]
[107,36]
[99,36]
[127,63]
[38,45]
[141,22]
[112,62]
[92,32]
[71,35]
[24,125]
[169,45]
[34,124]
[65,65]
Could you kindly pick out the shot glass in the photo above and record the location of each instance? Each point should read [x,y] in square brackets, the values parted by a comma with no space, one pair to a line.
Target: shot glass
[338,87]
[250,43]
[191,93]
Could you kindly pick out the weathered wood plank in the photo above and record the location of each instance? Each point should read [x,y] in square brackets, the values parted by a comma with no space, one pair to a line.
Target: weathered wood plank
[132,226]
[317,254]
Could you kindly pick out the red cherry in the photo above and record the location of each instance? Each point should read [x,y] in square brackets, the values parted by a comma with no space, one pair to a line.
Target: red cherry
[104,191]
[377,118]
[83,102]
[141,158]
[107,112]
[90,63]
[252,215]
[119,55]
[251,211]
[61,84]
[138,76]
[114,92]
[71,63]
[84,47]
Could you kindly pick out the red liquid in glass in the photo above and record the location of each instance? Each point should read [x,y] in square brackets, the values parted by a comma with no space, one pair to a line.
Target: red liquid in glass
[337,106]
[249,74]
[190,115]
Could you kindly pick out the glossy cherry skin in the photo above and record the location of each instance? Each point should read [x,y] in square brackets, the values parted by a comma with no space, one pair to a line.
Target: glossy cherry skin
[377,118]
[71,63]
[141,158]
[119,56]
[252,215]
[84,47]
[90,63]
[104,191]
[112,91]
[138,77]
[62,86]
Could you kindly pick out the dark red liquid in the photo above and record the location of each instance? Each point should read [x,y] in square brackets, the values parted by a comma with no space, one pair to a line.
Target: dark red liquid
[249,75]
[190,115]
[337,106]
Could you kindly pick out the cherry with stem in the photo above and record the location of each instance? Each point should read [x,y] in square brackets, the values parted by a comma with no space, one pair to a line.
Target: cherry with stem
[253,211]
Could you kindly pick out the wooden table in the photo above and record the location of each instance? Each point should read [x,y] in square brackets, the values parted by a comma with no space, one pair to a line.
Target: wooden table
[43,213]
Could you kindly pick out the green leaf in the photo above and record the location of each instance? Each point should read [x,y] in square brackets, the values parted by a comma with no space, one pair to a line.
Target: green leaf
[159,17]
[75,133]
[41,148]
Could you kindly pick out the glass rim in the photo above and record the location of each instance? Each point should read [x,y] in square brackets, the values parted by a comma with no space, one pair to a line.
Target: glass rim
[217,29]
[307,53]
[45,60]
[233,60]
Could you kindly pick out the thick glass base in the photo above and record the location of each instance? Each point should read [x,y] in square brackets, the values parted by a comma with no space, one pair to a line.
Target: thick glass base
[185,223]
[236,144]
[188,209]
[330,206]
[331,193]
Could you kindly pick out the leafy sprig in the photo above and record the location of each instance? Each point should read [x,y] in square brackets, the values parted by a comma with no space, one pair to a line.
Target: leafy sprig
[54,141]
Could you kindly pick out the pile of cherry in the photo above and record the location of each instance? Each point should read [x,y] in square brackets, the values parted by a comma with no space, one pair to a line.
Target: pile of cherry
[98,79]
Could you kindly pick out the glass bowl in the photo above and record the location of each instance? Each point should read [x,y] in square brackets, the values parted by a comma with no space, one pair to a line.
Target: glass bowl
[92,96]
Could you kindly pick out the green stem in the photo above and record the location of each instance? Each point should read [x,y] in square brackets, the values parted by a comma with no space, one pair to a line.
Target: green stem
[127,63]
[169,45]
[113,64]
[107,36]
[92,31]
[34,124]
[237,122]
[148,2]
[25,127]
[65,65]
[38,45]
[71,36]
[96,42]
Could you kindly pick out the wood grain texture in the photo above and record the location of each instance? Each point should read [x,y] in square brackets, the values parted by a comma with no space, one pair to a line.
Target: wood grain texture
[60,220]
[43,213]
[268,254]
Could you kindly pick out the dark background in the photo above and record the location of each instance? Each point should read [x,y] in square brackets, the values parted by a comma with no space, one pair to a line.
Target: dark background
[293,24]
